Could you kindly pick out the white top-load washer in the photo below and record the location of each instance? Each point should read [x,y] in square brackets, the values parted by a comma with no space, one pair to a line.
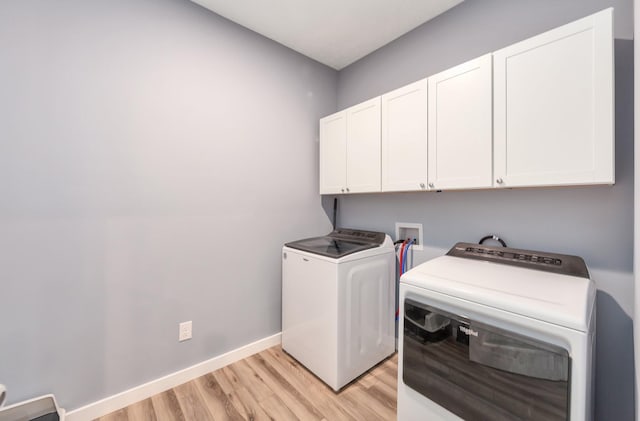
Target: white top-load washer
[338,303]
[494,333]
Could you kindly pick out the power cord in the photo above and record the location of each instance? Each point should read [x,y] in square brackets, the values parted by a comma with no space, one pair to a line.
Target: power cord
[493,237]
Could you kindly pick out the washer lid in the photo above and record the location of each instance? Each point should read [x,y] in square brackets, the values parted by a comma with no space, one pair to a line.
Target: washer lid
[339,243]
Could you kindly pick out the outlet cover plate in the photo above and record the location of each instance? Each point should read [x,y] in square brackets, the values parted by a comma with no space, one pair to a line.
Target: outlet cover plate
[185,331]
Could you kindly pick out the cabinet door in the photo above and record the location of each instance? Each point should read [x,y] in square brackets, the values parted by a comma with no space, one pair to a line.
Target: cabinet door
[553,115]
[363,147]
[333,153]
[460,148]
[404,138]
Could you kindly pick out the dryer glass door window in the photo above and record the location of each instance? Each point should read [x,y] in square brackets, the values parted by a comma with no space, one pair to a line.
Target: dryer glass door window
[480,372]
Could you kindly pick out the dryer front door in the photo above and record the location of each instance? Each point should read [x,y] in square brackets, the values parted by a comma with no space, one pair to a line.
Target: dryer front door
[480,372]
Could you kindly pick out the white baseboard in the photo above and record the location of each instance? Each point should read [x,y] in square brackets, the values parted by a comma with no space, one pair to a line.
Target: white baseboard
[113,403]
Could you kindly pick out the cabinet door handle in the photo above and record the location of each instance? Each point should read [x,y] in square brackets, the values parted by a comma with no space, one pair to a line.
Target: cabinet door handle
[422,185]
[342,190]
[347,189]
[499,181]
[431,185]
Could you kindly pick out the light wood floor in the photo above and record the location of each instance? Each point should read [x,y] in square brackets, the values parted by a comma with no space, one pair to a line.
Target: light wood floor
[270,386]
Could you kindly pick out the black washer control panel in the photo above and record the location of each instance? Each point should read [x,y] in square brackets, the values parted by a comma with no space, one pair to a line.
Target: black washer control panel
[368,237]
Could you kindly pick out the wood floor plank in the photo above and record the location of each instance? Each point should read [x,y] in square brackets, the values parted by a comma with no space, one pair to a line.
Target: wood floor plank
[277,410]
[241,399]
[380,403]
[191,403]
[142,411]
[267,386]
[367,380]
[294,399]
[388,376]
[365,408]
[384,394]
[243,376]
[294,366]
[251,407]
[357,410]
[119,415]
[220,406]
[322,396]
[167,407]
[223,380]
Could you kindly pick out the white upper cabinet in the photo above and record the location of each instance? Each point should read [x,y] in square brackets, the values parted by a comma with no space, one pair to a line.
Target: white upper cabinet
[363,147]
[536,113]
[404,138]
[350,150]
[333,153]
[554,107]
[460,118]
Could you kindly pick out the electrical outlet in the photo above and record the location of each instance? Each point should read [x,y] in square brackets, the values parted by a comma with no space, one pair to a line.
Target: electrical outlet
[184,331]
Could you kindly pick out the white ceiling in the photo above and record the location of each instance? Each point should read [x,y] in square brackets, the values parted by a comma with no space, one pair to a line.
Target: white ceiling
[333,32]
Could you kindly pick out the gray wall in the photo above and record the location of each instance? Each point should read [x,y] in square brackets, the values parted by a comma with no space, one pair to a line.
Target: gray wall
[153,159]
[593,222]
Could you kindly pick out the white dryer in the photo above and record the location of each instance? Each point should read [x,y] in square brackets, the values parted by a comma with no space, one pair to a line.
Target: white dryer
[338,303]
[494,333]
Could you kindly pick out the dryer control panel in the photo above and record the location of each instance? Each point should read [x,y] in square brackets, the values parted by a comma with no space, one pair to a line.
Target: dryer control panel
[549,262]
